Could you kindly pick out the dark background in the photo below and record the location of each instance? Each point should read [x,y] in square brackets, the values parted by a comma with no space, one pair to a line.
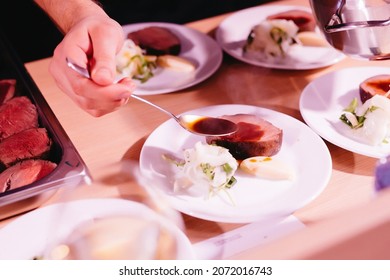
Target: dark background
[34,36]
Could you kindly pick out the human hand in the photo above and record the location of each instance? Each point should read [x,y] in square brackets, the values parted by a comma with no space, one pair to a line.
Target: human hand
[92,43]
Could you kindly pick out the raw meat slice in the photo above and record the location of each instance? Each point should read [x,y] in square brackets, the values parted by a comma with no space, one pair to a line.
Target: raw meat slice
[7,89]
[24,173]
[29,143]
[17,115]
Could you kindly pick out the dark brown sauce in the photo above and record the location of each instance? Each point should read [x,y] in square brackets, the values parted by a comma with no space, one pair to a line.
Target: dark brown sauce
[213,126]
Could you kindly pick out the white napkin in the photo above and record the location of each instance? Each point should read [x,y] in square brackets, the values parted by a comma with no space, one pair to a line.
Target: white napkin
[243,238]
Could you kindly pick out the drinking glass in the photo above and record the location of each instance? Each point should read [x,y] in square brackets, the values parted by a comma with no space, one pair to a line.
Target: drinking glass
[382,173]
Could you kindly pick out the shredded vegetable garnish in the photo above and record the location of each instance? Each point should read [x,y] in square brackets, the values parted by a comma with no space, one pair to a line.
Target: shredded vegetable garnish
[271,40]
[131,62]
[369,122]
[205,171]
[350,118]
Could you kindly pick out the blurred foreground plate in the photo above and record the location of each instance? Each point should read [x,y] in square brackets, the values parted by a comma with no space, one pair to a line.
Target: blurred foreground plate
[29,235]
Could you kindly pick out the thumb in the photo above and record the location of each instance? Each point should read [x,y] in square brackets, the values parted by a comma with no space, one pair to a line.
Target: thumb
[103,69]
[106,41]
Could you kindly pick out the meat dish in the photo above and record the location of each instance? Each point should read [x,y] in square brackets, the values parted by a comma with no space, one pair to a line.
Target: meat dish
[255,137]
[21,99]
[24,146]
[273,38]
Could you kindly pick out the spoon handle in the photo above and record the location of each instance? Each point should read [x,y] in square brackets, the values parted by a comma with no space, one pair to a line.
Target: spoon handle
[155,106]
[85,73]
[81,70]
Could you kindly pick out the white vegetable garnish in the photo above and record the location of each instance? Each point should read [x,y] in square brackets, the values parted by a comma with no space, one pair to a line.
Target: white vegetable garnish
[176,63]
[311,39]
[371,124]
[271,39]
[205,170]
[351,117]
[268,168]
[131,62]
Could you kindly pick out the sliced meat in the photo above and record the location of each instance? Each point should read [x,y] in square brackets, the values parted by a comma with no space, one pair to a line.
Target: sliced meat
[17,115]
[7,89]
[27,144]
[379,84]
[24,173]
[304,20]
[254,137]
[156,40]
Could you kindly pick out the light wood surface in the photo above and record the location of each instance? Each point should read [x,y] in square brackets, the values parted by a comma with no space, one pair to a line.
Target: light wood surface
[105,141]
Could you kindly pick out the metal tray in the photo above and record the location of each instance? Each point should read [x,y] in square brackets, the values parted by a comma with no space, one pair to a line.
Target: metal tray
[71,170]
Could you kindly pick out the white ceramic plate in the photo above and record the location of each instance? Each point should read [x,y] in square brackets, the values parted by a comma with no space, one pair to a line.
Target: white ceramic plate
[323,100]
[255,198]
[196,46]
[28,236]
[234,30]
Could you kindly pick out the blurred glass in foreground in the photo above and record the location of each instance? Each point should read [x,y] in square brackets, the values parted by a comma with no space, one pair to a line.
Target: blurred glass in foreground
[382,174]
[150,232]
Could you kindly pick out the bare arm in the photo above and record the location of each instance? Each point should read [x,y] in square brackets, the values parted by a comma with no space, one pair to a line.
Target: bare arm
[65,14]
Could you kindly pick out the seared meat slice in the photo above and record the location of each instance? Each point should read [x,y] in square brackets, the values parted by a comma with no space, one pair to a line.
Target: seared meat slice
[156,40]
[254,137]
[29,143]
[304,20]
[17,115]
[24,173]
[379,84]
[7,89]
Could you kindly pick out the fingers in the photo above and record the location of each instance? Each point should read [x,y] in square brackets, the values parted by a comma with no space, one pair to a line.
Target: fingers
[92,43]
[95,99]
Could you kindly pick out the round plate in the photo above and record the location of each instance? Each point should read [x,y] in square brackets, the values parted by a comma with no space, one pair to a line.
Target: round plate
[232,34]
[27,236]
[196,46]
[254,198]
[323,100]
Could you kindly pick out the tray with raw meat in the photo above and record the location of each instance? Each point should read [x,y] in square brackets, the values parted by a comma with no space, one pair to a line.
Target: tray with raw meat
[36,155]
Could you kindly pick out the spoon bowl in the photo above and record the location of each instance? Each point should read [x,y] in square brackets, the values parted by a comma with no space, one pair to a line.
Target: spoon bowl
[201,125]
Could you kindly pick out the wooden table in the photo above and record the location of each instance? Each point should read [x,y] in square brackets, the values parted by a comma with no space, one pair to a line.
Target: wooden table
[110,139]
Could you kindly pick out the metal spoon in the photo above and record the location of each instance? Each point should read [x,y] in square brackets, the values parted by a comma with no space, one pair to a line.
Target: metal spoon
[201,125]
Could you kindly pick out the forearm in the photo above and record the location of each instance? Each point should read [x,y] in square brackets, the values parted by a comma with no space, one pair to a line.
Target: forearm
[66,13]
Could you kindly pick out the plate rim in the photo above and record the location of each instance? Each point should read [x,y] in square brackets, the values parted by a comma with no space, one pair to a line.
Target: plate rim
[325,152]
[208,40]
[262,8]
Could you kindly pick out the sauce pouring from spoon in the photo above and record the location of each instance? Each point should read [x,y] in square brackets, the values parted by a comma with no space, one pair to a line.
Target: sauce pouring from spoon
[201,125]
